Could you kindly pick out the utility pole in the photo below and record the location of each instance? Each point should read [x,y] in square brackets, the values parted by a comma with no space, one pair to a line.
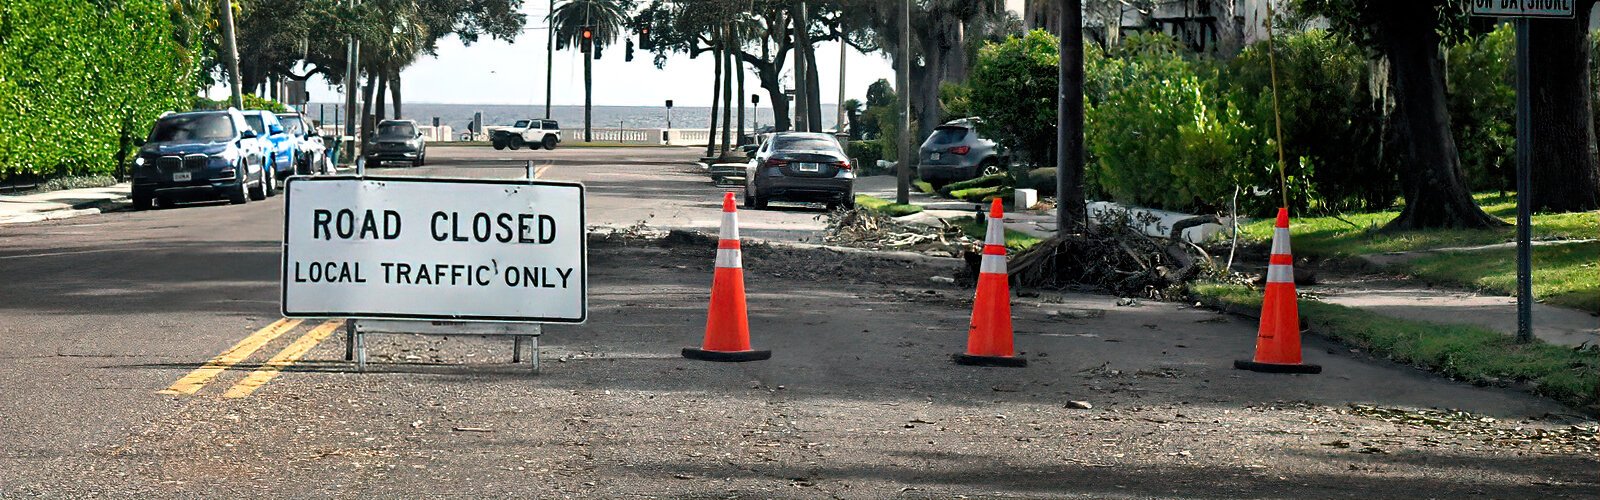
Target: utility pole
[550,56]
[839,105]
[902,194]
[352,74]
[802,100]
[233,52]
[1070,209]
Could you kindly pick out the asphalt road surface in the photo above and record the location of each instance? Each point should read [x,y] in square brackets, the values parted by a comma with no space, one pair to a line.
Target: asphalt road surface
[142,357]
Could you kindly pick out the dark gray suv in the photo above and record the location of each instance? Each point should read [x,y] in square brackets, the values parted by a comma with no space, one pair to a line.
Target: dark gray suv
[955,152]
[398,141]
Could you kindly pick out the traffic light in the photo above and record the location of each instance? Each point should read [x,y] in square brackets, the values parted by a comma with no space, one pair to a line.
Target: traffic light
[596,49]
[588,33]
[644,39]
[628,56]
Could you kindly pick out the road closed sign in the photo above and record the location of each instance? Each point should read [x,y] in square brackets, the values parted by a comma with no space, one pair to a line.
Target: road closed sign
[1522,8]
[435,249]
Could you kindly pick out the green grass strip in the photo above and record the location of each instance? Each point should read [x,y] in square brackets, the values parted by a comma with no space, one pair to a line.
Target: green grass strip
[1469,353]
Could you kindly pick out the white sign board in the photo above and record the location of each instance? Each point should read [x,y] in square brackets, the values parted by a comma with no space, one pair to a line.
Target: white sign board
[1522,8]
[435,249]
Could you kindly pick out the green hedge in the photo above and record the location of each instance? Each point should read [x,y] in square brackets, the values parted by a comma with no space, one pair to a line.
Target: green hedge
[80,80]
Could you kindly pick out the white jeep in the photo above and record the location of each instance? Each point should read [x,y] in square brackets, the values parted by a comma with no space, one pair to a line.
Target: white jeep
[531,133]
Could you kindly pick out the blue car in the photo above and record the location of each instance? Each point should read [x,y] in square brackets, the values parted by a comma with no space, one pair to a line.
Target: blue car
[201,155]
[281,146]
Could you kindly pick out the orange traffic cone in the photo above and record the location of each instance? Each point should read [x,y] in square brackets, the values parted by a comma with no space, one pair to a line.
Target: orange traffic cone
[727,325]
[989,335]
[1278,342]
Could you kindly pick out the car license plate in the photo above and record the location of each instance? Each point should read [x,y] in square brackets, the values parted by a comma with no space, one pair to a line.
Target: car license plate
[809,167]
[935,157]
[182,177]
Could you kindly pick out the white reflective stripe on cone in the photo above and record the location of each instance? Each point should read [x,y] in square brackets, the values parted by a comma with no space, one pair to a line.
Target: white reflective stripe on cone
[996,234]
[1280,273]
[730,226]
[727,257]
[1280,241]
[993,264]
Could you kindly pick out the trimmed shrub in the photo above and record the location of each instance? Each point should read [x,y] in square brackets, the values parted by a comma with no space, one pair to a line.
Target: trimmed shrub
[80,80]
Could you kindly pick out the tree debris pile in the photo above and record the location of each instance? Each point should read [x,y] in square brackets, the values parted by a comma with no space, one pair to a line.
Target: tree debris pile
[866,229]
[1113,257]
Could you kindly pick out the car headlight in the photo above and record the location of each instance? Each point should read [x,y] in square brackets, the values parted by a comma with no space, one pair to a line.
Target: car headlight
[229,155]
[138,161]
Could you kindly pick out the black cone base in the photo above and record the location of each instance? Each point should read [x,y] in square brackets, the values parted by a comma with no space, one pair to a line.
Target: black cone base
[725,356]
[1005,361]
[1276,367]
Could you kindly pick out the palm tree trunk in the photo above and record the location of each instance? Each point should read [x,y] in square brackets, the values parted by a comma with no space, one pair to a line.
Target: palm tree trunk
[383,87]
[366,107]
[716,99]
[588,94]
[813,88]
[727,91]
[394,92]
[738,68]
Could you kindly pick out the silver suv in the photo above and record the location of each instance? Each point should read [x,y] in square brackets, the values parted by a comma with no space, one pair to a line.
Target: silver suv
[955,152]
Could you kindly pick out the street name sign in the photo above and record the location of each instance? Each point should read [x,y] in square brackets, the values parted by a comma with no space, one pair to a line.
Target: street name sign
[434,249]
[1522,8]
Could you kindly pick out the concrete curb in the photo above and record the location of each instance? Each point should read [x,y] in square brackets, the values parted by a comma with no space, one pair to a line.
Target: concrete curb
[74,210]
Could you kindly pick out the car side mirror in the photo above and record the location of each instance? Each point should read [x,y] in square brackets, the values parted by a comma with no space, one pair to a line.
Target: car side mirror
[274,130]
[248,134]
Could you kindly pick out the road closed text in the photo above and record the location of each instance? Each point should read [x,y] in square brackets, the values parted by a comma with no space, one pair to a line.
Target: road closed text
[435,249]
[480,227]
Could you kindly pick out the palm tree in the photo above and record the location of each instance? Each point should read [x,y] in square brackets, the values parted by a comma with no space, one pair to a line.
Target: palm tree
[603,21]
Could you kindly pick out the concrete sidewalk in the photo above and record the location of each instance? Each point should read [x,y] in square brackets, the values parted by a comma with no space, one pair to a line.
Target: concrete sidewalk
[62,204]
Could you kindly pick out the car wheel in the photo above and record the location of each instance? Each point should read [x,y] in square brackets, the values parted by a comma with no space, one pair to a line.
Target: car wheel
[143,201]
[269,181]
[761,202]
[989,167]
[549,142]
[257,193]
[499,145]
[514,144]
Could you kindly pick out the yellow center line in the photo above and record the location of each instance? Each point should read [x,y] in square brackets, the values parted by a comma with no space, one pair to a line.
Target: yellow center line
[539,172]
[283,359]
[200,376]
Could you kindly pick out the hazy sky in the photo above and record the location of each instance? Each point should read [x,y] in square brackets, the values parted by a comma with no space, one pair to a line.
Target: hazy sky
[498,72]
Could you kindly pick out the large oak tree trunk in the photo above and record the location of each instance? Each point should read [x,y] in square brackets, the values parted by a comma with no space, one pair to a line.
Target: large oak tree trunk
[1435,194]
[1566,168]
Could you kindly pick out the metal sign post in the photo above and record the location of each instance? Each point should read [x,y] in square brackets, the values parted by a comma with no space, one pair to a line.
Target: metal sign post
[1523,10]
[434,256]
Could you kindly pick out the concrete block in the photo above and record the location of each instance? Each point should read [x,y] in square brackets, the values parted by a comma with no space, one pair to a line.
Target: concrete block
[1026,198]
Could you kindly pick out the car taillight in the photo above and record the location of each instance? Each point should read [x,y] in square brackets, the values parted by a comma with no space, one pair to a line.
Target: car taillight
[777,163]
[961,150]
[843,165]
